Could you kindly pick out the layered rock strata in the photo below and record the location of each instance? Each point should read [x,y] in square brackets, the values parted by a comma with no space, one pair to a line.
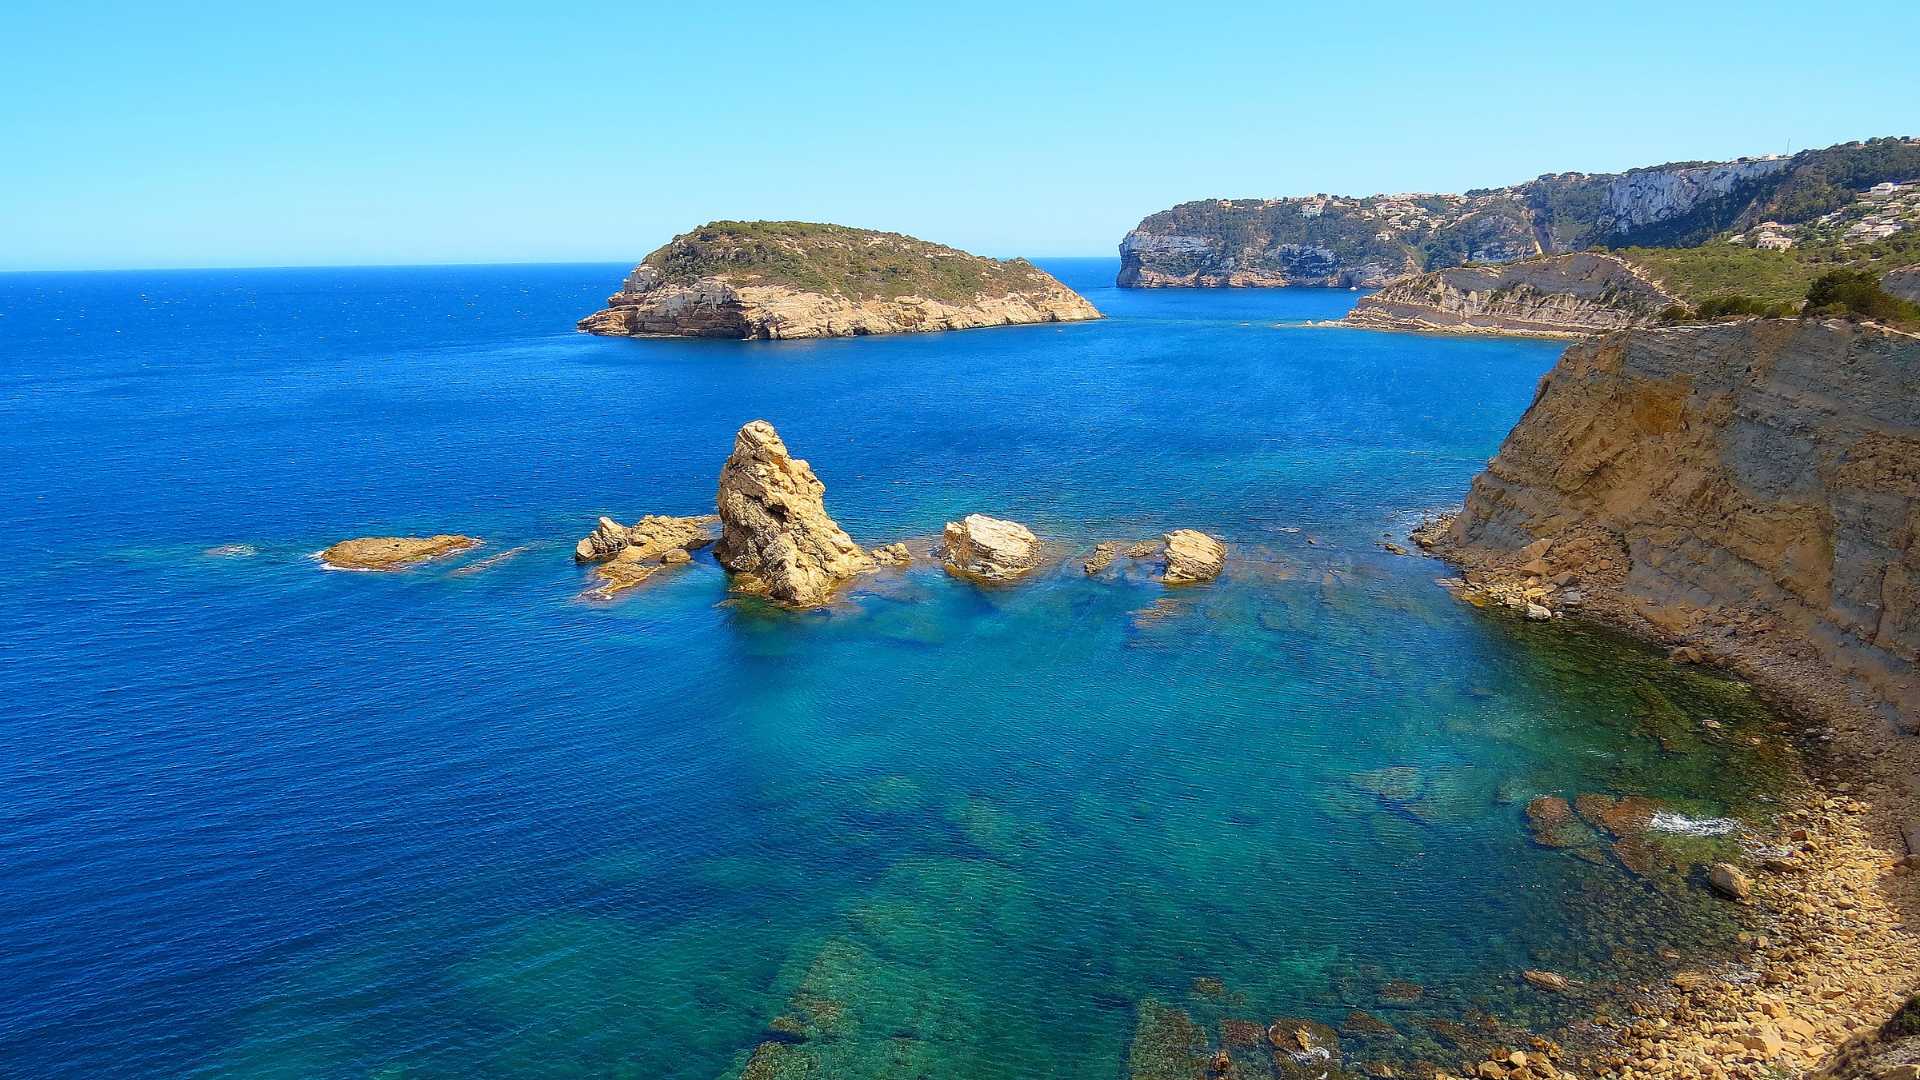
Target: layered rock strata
[1739,489]
[776,537]
[630,554]
[988,548]
[1192,557]
[1563,295]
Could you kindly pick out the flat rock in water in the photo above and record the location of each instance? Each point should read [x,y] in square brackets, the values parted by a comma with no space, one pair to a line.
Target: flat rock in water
[394,552]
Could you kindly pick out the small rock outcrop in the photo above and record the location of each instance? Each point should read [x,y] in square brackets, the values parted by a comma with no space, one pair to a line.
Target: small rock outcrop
[1192,557]
[394,552]
[988,549]
[1102,557]
[792,279]
[894,555]
[630,554]
[1559,296]
[776,536]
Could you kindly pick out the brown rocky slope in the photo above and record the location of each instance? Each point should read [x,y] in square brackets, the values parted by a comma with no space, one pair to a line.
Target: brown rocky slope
[1561,295]
[1749,493]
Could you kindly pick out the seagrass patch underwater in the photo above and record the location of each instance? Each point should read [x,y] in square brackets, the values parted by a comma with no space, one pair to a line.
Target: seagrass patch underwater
[264,821]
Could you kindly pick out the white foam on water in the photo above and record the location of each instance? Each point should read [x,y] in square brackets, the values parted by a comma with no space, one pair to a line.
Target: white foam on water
[1664,821]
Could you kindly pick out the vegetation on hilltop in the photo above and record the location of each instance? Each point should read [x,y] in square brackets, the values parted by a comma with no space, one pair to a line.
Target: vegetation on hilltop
[859,264]
[1698,274]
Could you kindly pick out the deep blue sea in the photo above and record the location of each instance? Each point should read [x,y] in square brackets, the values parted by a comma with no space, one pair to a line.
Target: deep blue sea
[262,820]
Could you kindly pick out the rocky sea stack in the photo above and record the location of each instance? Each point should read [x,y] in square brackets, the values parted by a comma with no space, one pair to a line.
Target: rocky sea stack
[776,536]
[791,279]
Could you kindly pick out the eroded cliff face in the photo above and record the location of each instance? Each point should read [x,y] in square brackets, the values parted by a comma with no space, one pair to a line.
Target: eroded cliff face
[1564,295]
[1321,240]
[1368,241]
[1744,489]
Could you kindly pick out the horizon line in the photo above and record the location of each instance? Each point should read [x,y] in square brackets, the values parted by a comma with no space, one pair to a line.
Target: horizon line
[394,265]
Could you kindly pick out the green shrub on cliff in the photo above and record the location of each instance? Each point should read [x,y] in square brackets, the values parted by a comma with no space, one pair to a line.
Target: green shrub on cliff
[1857,294]
[1696,274]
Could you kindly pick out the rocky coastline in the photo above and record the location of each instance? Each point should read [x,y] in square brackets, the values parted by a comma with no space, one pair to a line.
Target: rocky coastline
[1571,295]
[783,280]
[1368,241]
[1740,493]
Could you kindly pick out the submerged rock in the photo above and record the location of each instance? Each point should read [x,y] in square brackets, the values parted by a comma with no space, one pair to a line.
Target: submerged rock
[394,552]
[989,549]
[1728,880]
[776,536]
[1192,556]
[1552,982]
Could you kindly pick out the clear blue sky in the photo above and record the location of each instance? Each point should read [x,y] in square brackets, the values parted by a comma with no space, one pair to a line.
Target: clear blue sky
[212,134]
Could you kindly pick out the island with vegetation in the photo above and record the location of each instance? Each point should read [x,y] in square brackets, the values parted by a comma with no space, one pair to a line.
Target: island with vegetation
[792,279]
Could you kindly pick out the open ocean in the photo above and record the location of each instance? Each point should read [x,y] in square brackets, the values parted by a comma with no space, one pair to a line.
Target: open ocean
[261,820]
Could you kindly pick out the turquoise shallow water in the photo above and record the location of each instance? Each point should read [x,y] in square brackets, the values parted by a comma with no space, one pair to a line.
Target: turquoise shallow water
[260,820]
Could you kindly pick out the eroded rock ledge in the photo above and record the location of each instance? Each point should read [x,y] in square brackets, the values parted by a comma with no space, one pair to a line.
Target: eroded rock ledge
[786,279]
[394,552]
[1564,295]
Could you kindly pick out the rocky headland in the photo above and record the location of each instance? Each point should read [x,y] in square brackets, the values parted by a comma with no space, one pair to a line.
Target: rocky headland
[789,279]
[1370,241]
[1556,296]
[1747,493]
[394,552]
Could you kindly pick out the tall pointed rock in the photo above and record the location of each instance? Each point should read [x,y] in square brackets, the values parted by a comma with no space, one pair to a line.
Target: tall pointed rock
[776,536]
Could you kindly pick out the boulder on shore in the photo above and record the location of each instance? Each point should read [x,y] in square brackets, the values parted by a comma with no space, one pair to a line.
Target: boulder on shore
[394,552]
[1191,557]
[988,548]
[776,537]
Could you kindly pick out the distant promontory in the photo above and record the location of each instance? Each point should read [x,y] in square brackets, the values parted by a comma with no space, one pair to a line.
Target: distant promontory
[792,279]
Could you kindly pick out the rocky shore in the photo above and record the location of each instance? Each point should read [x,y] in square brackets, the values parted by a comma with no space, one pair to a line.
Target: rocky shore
[1742,493]
[773,280]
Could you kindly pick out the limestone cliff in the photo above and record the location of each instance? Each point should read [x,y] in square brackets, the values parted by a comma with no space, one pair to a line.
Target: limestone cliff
[1746,489]
[776,536]
[784,279]
[1581,293]
[1368,241]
